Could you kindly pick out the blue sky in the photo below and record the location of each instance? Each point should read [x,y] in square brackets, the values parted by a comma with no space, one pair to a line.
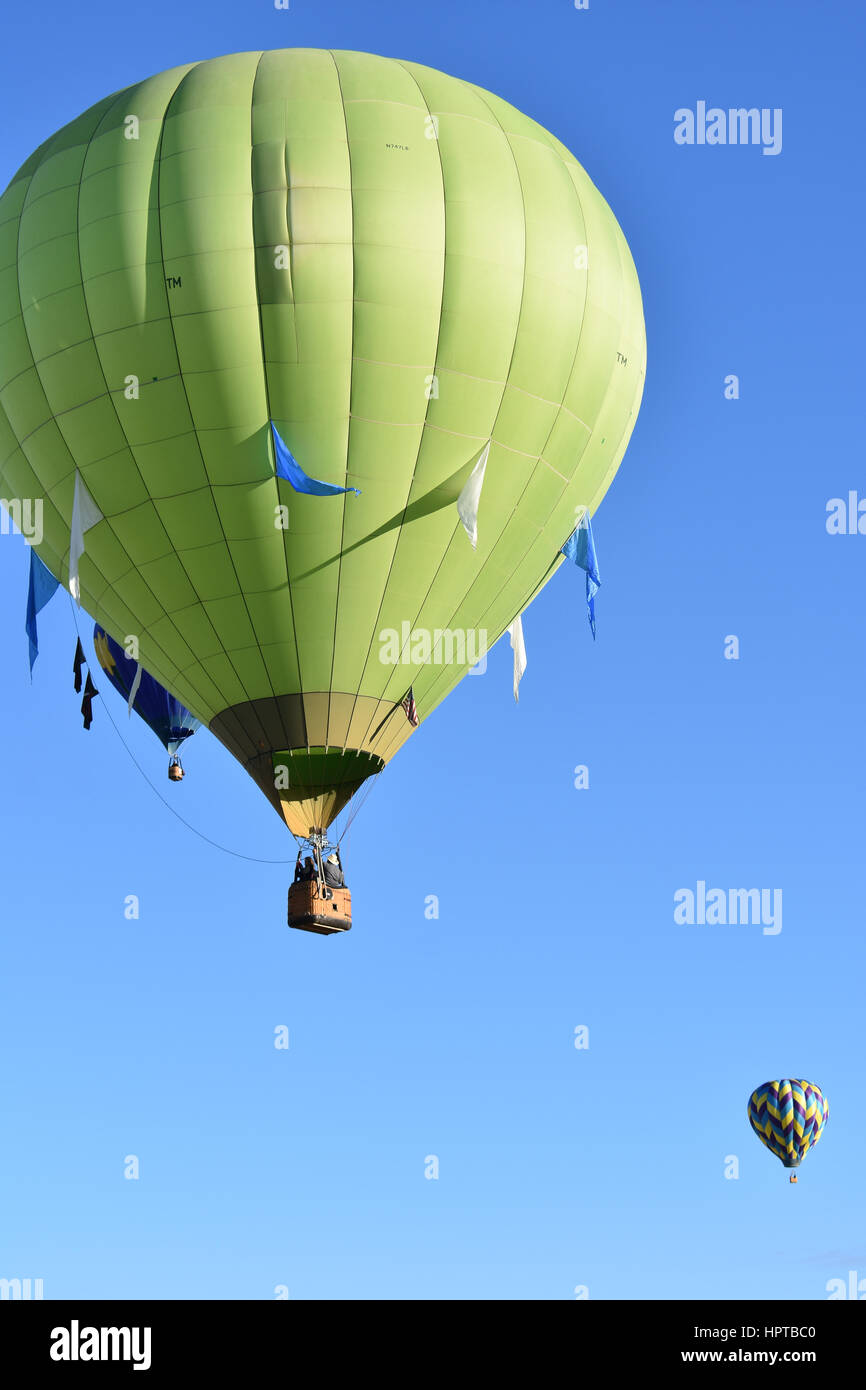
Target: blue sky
[454,1037]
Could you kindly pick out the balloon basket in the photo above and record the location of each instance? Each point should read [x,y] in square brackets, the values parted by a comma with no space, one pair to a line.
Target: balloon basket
[324,911]
[793,1177]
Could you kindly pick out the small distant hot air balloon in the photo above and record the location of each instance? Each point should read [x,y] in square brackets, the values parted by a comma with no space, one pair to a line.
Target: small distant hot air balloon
[170,720]
[789,1118]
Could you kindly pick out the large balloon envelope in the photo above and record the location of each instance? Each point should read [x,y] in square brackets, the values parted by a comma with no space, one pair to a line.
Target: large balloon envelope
[392,265]
[159,709]
[789,1118]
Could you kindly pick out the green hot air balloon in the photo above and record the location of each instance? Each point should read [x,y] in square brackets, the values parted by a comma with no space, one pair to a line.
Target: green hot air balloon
[394,268]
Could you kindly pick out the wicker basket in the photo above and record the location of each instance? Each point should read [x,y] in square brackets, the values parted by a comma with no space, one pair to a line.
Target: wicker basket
[311,910]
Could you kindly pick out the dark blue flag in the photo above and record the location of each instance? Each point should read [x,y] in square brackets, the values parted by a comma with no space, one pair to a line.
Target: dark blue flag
[41,587]
[289,468]
[580,547]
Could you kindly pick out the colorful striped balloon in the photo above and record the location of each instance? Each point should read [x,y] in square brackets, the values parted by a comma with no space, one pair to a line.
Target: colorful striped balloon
[789,1117]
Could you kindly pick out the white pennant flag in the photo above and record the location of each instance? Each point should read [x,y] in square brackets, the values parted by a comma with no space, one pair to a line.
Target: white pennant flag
[85,514]
[515,632]
[136,682]
[467,502]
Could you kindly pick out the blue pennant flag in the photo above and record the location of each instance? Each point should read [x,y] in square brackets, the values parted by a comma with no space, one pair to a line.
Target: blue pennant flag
[289,468]
[580,547]
[41,587]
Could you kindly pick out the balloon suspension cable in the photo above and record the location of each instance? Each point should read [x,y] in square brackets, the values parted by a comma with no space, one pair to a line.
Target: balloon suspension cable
[214,844]
[357,805]
[317,841]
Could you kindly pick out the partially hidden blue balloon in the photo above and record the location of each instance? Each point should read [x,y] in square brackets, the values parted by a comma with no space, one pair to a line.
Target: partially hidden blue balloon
[166,716]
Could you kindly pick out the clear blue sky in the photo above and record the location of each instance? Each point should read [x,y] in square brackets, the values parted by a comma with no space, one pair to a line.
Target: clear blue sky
[454,1037]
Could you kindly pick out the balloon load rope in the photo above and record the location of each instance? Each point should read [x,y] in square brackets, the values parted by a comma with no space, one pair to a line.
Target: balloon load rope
[371,782]
[214,844]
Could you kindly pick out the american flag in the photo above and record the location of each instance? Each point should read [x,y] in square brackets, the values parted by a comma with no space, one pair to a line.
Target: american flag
[409,706]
